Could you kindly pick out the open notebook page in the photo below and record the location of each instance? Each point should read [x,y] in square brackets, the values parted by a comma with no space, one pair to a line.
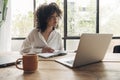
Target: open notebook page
[55,53]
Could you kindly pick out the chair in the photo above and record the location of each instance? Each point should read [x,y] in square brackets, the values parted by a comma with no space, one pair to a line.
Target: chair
[116,49]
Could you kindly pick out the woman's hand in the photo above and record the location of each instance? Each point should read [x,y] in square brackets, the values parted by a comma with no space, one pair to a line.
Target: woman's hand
[47,50]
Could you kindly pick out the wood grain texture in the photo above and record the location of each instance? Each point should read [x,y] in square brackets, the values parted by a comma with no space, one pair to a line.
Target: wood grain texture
[51,70]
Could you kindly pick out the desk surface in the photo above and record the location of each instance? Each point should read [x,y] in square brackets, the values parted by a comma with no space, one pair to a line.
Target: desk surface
[51,70]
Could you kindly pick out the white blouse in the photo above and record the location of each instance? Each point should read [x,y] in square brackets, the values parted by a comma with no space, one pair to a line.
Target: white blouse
[35,42]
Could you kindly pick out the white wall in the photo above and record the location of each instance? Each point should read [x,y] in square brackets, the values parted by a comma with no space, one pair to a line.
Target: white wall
[16,45]
[5,31]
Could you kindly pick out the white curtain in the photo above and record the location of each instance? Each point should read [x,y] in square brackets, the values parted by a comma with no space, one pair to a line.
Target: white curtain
[5,31]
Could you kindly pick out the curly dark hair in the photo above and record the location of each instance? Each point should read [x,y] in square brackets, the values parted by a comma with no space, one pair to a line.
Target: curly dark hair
[43,13]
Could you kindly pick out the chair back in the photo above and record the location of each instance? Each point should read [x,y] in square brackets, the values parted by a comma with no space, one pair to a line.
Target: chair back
[116,49]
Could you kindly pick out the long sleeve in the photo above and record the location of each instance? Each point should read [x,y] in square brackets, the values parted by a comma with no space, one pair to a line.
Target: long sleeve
[32,44]
[27,44]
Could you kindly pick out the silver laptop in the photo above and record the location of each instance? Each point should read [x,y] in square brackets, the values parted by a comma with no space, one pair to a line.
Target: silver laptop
[8,60]
[91,49]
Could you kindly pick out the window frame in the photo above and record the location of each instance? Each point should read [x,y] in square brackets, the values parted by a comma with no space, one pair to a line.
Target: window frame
[66,37]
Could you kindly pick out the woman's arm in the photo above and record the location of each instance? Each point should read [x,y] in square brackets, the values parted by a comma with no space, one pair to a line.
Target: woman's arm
[27,44]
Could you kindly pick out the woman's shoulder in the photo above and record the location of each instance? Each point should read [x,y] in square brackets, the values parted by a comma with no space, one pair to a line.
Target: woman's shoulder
[33,32]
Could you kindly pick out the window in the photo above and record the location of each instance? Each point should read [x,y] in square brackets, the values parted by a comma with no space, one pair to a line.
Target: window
[109,17]
[22,17]
[81,17]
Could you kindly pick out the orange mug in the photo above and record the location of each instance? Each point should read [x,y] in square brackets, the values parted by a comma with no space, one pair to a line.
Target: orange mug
[29,63]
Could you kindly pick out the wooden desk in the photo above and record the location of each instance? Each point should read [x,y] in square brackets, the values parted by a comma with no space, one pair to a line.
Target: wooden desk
[51,70]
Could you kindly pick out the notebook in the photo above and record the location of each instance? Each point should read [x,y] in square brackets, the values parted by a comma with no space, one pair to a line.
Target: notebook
[91,49]
[8,60]
[55,53]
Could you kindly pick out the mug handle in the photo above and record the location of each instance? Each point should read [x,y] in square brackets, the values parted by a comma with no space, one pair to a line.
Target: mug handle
[20,59]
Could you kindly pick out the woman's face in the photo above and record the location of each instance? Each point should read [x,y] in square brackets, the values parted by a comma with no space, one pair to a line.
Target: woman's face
[53,20]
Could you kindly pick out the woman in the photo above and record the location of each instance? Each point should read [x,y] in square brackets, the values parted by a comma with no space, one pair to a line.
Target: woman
[44,38]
